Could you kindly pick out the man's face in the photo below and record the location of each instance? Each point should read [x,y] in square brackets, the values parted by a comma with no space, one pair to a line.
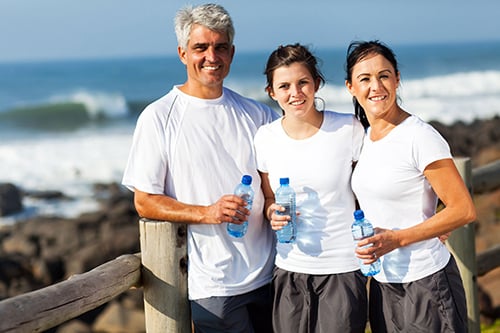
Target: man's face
[208,59]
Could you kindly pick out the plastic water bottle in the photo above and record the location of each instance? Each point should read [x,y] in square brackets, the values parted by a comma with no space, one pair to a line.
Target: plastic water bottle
[245,191]
[362,228]
[285,197]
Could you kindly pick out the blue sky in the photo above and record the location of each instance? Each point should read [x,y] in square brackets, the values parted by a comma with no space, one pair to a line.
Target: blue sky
[59,29]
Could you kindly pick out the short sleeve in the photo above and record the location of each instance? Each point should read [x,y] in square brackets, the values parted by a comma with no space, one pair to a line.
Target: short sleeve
[147,164]
[429,146]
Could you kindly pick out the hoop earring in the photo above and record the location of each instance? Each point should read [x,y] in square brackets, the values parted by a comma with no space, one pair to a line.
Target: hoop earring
[322,102]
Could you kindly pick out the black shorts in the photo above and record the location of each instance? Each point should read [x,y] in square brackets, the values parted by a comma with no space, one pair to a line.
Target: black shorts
[434,304]
[334,303]
[246,313]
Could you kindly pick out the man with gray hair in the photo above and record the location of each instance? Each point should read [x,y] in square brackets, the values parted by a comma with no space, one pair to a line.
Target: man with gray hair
[189,151]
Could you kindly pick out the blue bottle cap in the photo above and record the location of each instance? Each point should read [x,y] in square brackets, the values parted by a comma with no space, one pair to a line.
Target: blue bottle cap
[359,215]
[284,181]
[246,180]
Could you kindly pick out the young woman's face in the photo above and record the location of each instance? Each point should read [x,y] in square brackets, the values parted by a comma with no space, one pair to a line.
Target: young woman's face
[294,89]
[374,84]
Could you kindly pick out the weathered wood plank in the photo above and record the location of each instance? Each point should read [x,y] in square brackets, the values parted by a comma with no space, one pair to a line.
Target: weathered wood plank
[164,260]
[48,307]
[486,178]
[462,244]
[488,260]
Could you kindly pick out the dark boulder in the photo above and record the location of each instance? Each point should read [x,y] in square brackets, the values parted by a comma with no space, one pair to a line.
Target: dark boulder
[10,199]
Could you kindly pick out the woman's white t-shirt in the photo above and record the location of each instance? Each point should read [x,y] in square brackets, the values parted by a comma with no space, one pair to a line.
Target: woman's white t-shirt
[394,194]
[319,169]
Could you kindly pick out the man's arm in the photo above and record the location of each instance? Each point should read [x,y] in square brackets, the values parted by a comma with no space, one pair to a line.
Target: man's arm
[229,208]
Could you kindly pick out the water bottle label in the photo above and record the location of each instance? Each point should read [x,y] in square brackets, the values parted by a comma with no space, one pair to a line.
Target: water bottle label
[287,233]
[287,211]
[248,199]
[357,234]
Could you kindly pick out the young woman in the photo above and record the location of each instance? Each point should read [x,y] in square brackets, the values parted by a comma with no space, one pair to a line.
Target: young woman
[316,282]
[404,167]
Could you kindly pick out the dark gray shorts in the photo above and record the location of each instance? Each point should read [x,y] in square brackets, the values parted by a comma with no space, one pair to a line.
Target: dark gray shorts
[434,304]
[246,313]
[335,303]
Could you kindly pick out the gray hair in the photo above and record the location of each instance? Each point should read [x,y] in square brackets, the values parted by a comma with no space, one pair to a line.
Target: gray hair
[211,16]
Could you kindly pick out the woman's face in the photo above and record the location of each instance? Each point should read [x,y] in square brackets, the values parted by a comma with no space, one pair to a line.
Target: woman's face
[374,84]
[294,88]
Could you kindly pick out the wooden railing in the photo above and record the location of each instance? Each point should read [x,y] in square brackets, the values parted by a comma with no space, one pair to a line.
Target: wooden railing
[48,307]
[161,270]
[488,260]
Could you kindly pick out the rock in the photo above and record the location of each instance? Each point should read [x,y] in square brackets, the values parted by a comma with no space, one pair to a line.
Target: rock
[117,318]
[45,194]
[16,276]
[485,306]
[74,326]
[44,250]
[469,140]
[18,243]
[10,199]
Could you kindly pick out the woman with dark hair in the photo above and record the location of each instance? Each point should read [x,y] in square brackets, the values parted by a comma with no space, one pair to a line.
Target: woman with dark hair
[317,284]
[404,168]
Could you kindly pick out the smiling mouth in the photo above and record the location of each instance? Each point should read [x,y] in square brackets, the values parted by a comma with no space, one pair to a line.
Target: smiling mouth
[378,98]
[296,103]
[211,67]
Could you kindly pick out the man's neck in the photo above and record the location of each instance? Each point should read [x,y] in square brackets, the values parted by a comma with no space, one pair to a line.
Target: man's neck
[202,92]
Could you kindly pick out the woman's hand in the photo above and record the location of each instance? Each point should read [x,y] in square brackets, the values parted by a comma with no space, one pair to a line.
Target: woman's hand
[381,243]
[277,221]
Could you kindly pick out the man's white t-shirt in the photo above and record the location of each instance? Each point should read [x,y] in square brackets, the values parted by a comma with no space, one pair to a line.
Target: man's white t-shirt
[394,194]
[197,150]
[319,169]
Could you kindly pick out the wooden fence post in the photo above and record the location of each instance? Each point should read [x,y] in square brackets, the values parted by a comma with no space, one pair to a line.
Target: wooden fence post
[462,245]
[164,272]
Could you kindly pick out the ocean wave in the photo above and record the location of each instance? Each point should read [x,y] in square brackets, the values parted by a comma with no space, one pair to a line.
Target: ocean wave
[97,104]
[68,112]
[467,84]
[69,162]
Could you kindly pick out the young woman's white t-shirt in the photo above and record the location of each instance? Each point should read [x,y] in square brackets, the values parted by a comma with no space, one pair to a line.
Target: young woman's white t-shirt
[394,194]
[319,169]
[196,150]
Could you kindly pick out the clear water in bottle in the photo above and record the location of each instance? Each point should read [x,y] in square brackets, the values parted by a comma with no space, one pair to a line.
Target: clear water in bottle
[245,191]
[362,228]
[285,197]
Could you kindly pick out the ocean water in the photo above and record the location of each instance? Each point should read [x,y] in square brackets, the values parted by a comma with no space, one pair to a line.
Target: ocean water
[65,125]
